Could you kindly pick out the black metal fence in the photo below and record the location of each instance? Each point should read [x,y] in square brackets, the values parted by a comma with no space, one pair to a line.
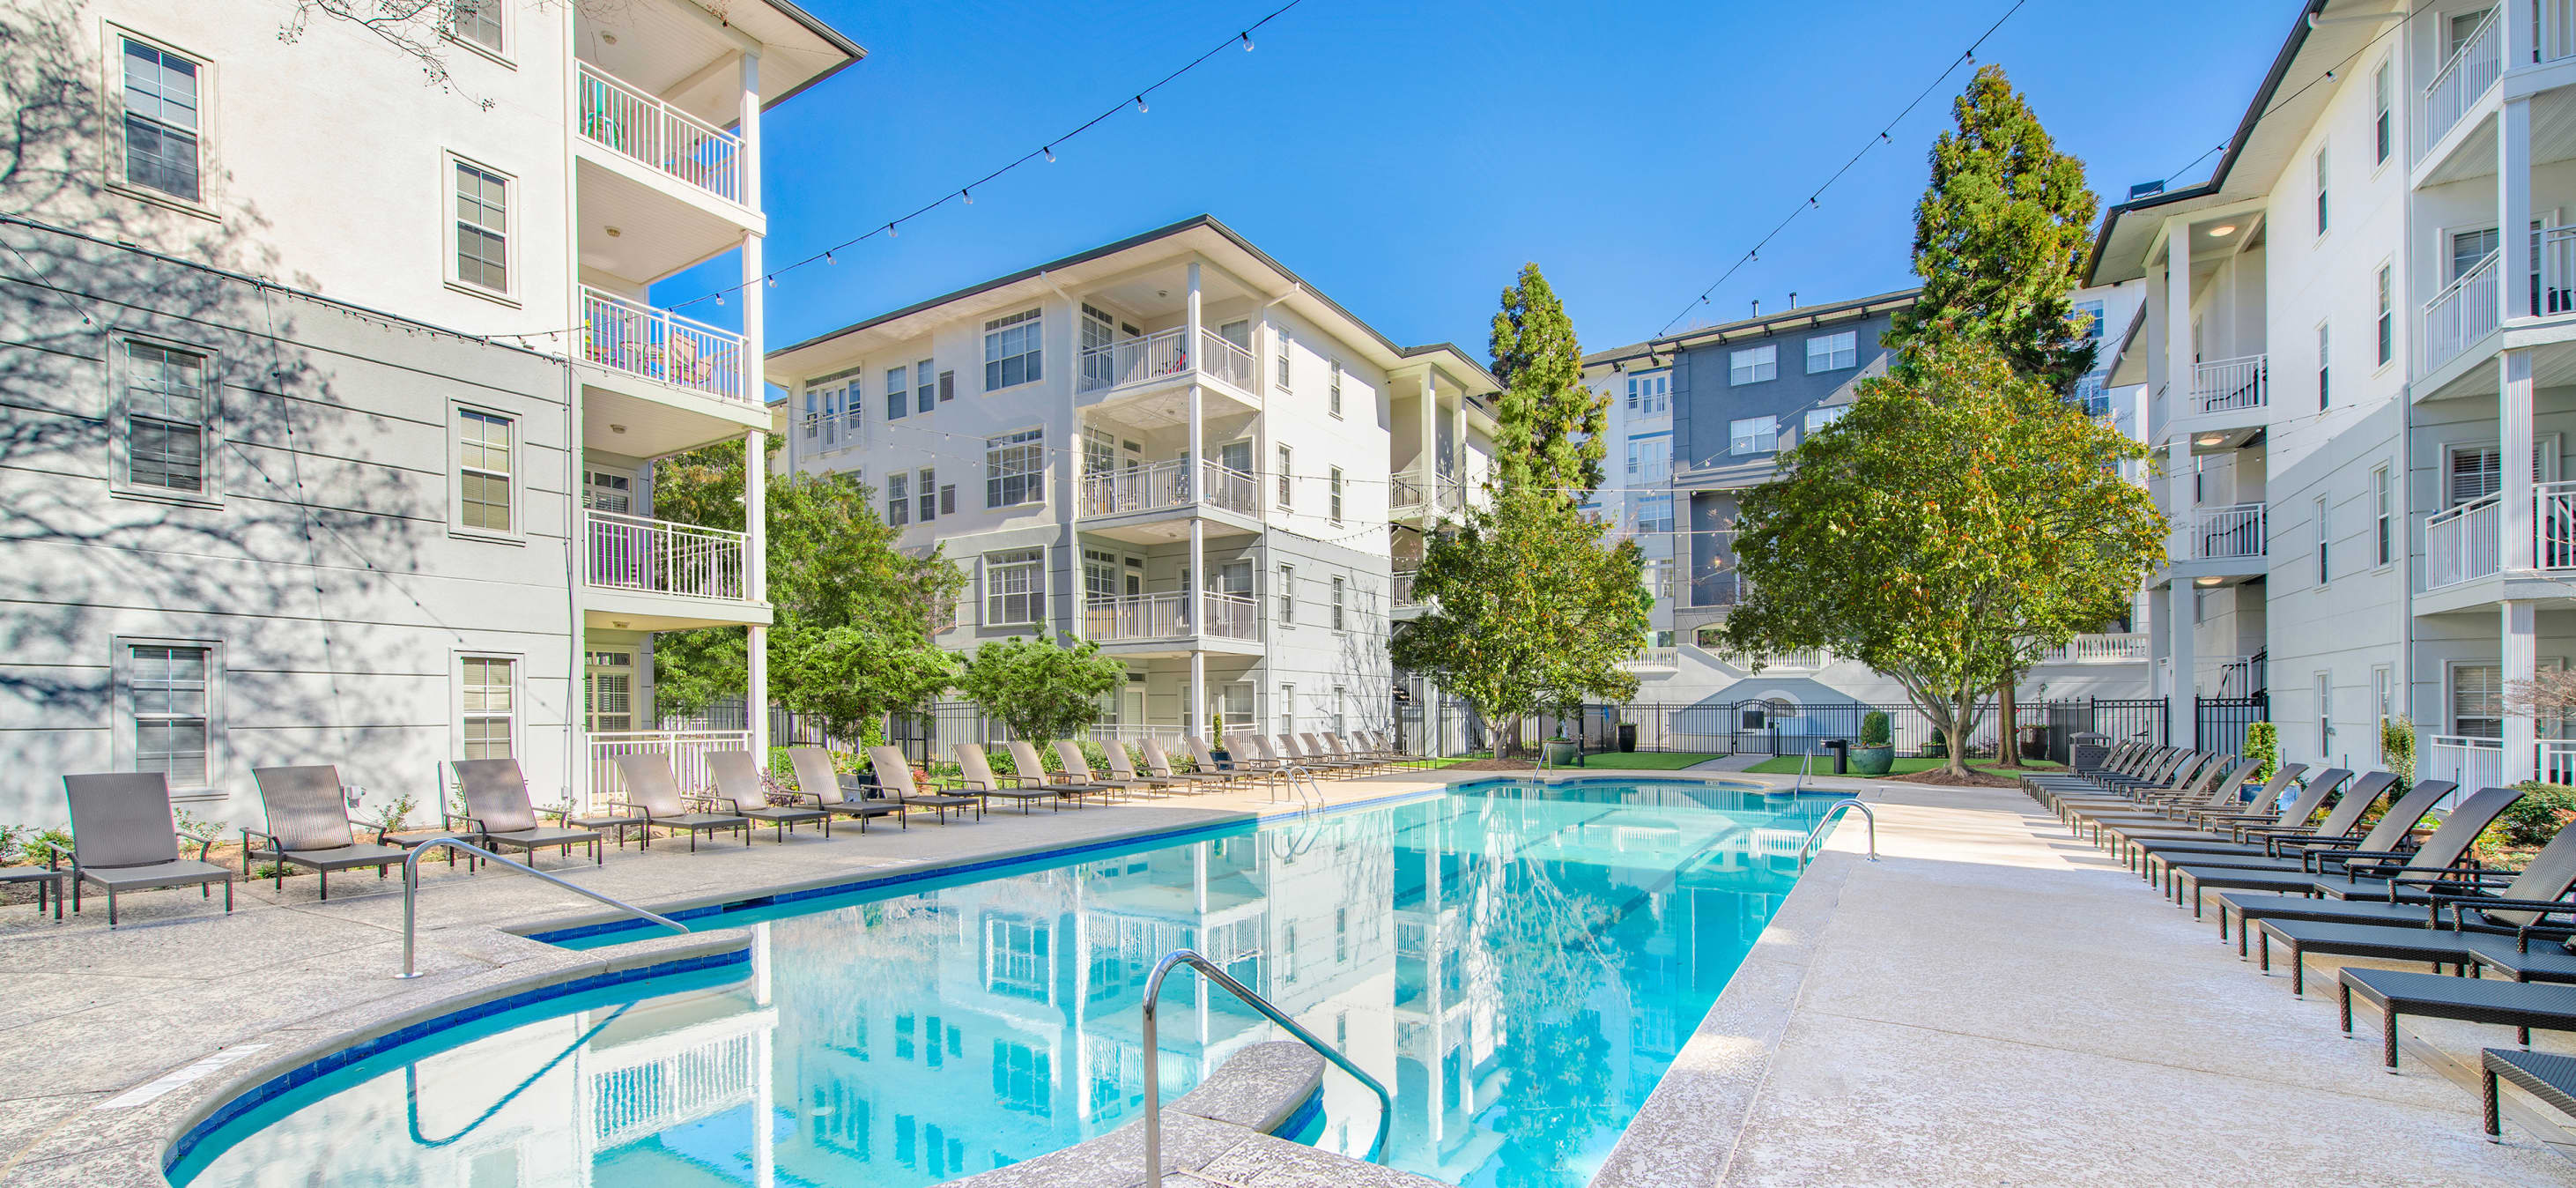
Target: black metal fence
[1775,727]
[2218,723]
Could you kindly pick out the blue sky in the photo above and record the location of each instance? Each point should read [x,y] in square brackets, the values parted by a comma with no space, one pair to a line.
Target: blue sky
[1407,159]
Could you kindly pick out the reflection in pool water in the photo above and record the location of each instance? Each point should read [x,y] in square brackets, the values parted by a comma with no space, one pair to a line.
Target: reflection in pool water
[1518,969]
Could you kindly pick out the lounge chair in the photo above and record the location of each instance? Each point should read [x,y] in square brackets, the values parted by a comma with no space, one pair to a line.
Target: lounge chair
[2275,847]
[1299,750]
[2523,1006]
[1123,768]
[2169,771]
[2551,1078]
[123,839]
[2218,808]
[308,826]
[2262,838]
[2209,786]
[499,814]
[1364,744]
[894,778]
[739,790]
[976,776]
[2522,907]
[655,795]
[1204,771]
[1330,747]
[1077,768]
[1233,770]
[818,786]
[1024,759]
[2372,882]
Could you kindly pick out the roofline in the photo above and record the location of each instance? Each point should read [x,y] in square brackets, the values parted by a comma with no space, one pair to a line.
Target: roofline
[2254,114]
[1802,313]
[1192,223]
[852,51]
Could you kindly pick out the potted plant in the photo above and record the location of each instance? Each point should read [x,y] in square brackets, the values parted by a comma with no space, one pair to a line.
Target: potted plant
[1562,750]
[1876,755]
[1216,740]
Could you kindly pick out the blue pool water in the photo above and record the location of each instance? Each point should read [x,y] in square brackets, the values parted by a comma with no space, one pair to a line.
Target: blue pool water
[1517,967]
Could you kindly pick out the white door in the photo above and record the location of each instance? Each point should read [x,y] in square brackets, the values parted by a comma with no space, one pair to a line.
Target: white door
[608,685]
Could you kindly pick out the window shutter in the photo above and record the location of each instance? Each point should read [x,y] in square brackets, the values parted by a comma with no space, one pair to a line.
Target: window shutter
[947,386]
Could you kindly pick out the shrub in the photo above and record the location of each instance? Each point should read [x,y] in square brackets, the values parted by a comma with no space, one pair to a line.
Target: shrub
[1873,729]
[2537,817]
[2263,746]
[2397,750]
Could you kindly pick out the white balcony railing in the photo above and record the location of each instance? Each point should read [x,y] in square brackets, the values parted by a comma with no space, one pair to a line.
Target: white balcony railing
[1165,485]
[2456,87]
[2557,33]
[1400,590]
[2229,384]
[662,557]
[1162,354]
[2553,283]
[629,336]
[623,118]
[2462,313]
[2229,532]
[2472,763]
[1656,658]
[1166,616]
[2553,525]
[2463,543]
[2557,760]
[1225,360]
[643,1094]
[688,751]
[1229,488]
[1404,493]
[2102,648]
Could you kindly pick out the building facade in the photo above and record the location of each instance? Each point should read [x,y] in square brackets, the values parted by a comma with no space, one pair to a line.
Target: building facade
[346,457]
[1170,445]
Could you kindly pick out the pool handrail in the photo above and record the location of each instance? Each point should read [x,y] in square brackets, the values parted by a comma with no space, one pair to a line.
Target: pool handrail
[1806,849]
[1153,1090]
[411,893]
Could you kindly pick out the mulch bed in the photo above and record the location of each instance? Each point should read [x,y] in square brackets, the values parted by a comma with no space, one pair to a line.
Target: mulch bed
[1974,779]
[1490,765]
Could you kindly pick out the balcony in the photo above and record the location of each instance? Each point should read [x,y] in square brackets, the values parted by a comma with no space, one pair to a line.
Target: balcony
[2229,385]
[1655,660]
[2472,763]
[1149,618]
[632,338]
[2106,648]
[623,119]
[1166,486]
[1400,593]
[1164,355]
[2466,543]
[637,569]
[2464,79]
[687,749]
[2228,533]
[2465,311]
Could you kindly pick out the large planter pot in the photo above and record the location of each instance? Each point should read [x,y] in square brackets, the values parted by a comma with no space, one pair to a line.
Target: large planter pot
[1873,761]
[1562,752]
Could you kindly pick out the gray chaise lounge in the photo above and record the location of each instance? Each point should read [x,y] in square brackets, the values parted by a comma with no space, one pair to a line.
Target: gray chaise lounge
[308,826]
[499,814]
[123,839]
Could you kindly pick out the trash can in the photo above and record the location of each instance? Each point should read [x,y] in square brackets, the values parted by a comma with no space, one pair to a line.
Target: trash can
[2086,750]
[1627,736]
[1841,748]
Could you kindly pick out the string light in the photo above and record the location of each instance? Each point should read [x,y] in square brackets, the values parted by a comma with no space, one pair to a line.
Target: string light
[968,195]
[1050,152]
[1247,40]
[1140,105]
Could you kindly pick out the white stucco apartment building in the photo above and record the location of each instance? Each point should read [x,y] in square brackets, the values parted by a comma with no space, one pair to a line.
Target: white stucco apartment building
[1171,445]
[335,396]
[2357,331]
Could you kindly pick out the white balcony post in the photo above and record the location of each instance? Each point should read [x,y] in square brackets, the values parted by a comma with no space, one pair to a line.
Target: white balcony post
[2513,194]
[2513,425]
[2520,660]
[1196,474]
[755,586]
[751,132]
[2521,19]
[2182,714]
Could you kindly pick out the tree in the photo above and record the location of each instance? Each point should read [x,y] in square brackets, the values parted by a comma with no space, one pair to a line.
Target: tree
[1551,422]
[1944,532]
[1039,689]
[1529,610]
[2000,240]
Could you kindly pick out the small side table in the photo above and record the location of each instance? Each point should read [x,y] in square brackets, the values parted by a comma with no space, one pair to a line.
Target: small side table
[48,881]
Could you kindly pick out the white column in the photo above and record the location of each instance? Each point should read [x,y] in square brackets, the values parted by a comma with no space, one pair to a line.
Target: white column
[751,131]
[755,581]
[2513,207]
[2182,714]
[2520,661]
[2514,441]
[1197,478]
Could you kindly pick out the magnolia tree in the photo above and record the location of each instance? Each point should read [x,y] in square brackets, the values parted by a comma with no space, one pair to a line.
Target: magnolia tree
[1945,532]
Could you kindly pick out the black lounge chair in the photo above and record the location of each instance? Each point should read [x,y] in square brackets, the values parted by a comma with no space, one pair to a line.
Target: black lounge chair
[123,839]
[2551,1078]
[2523,1006]
[308,826]
[2368,886]
[976,774]
[2169,773]
[2216,815]
[894,778]
[498,813]
[819,787]
[2439,932]
[2297,847]
[739,790]
[2215,783]
[656,797]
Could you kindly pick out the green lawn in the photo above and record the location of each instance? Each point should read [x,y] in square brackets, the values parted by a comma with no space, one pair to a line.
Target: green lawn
[1905,766]
[1647,760]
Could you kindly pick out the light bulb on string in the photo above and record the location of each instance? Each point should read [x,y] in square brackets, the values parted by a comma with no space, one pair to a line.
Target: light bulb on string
[1247,40]
[1140,105]
[1050,152]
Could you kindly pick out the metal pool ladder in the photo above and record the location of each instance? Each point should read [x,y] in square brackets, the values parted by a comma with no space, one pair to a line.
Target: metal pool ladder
[1153,1089]
[411,892]
[1807,848]
[1294,772]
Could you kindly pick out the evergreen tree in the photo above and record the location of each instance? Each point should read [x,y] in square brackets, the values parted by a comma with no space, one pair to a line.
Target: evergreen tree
[2000,240]
[1551,421]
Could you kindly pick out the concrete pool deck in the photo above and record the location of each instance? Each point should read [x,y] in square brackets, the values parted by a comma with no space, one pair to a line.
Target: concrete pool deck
[1995,1002]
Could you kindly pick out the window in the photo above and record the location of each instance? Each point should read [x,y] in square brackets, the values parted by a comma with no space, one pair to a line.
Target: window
[164,419]
[482,228]
[1014,464]
[2383,122]
[2383,504]
[1287,709]
[1818,418]
[1283,476]
[2090,312]
[1238,332]
[1287,596]
[2324,357]
[2464,25]
[1753,364]
[2470,249]
[898,499]
[1339,588]
[1014,587]
[2322,179]
[487,695]
[608,690]
[483,470]
[1650,394]
[2323,537]
[2477,700]
[478,22]
[1753,435]
[2387,318]
[166,692]
[1655,512]
[926,490]
[162,102]
[1011,351]
[2475,473]
[1833,352]
[1285,345]
[2383,691]
[1341,719]
[948,499]
[947,386]
[898,394]
[1333,402]
[1650,456]
[925,386]
[2322,696]
[1335,494]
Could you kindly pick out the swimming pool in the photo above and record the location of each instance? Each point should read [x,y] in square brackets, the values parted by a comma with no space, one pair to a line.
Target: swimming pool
[1518,967]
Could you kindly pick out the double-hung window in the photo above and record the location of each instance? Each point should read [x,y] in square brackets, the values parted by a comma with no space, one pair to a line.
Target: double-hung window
[163,102]
[2383,118]
[1655,512]
[2324,177]
[483,476]
[925,390]
[1833,352]
[1011,355]
[1818,418]
[1014,587]
[487,696]
[898,394]
[165,414]
[478,22]
[166,688]
[2324,538]
[926,492]
[2477,700]
[898,499]
[1285,346]
[1287,596]
[1014,468]
[1753,435]
[1340,588]
[1650,394]
[1337,494]
[2383,509]
[1284,457]
[2387,318]
[2325,360]
[2090,313]
[1753,364]
[1333,401]
[482,227]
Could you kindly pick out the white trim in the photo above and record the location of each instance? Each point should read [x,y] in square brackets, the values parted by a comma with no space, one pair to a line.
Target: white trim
[119,438]
[512,270]
[518,662]
[517,532]
[121,728]
[112,123]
